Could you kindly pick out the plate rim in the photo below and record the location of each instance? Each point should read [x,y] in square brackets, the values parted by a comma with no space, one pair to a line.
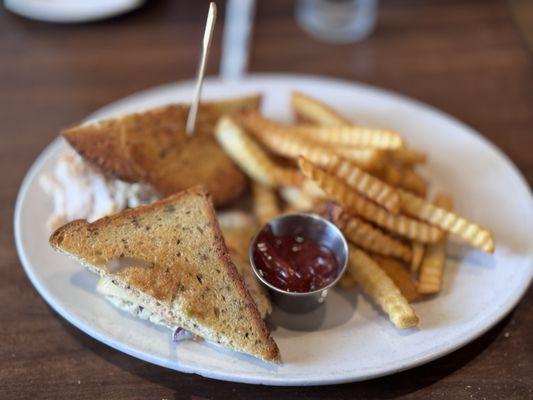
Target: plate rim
[484,325]
[72,12]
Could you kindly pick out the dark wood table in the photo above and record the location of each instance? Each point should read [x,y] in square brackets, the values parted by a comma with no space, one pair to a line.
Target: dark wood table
[464,57]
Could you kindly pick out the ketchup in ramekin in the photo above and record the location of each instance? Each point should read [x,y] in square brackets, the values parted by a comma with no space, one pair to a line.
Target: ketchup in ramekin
[294,263]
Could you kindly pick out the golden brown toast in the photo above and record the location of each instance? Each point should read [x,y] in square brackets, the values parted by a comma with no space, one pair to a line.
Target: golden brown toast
[191,281]
[153,147]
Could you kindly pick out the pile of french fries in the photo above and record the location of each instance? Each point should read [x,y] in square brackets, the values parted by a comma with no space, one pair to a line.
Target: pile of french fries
[365,181]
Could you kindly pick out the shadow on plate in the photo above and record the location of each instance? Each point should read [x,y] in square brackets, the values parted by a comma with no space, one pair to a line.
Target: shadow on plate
[338,309]
[85,281]
[460,252]
[194,386]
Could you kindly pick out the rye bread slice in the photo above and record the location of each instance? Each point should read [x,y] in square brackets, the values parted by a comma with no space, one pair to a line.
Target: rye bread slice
[191,282]
[153,147]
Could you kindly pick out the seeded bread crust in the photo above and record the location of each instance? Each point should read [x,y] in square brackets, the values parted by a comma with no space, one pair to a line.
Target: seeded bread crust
[153,147]
[192,281]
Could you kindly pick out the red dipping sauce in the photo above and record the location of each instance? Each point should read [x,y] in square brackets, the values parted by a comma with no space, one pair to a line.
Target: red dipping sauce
[294,264]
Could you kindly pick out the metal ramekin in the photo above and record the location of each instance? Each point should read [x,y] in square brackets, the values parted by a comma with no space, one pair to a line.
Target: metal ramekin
[311,227]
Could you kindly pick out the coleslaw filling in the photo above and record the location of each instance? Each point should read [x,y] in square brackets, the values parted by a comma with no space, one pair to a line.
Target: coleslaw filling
[81,191]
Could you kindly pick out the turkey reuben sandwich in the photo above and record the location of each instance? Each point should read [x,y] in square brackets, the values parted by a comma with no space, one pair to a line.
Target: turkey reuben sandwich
[167,262]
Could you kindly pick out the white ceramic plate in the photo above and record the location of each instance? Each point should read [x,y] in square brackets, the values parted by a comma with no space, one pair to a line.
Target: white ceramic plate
[71,11]
[351,339]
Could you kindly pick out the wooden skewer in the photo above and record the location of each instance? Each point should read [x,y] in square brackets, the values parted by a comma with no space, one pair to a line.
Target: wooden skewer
[206,45]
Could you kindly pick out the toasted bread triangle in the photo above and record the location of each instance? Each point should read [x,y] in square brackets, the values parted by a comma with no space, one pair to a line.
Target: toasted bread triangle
[192,282]
[153,147]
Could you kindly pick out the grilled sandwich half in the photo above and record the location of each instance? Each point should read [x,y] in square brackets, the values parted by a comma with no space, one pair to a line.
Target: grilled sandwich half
[178,270]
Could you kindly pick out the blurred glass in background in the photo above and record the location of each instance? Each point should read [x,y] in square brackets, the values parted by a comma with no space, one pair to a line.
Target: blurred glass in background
[338,21]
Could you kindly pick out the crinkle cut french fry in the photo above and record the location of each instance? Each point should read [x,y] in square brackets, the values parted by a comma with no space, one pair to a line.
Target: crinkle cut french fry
[265,203]
[296,198]
[418,254]
[443,201]
[432,268]
[408,156]
[472,233]
[370,238]
[377,284]
[399,275]
[344,195]
[366,184]
[350,135]
[413,182]
[283,142]
[245,152]
[391,174]
[364,158]
[404,177]
[250,157]
[286,145]
[312,189]
[313,110]
[288,176]
[303,197]
[346,282]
